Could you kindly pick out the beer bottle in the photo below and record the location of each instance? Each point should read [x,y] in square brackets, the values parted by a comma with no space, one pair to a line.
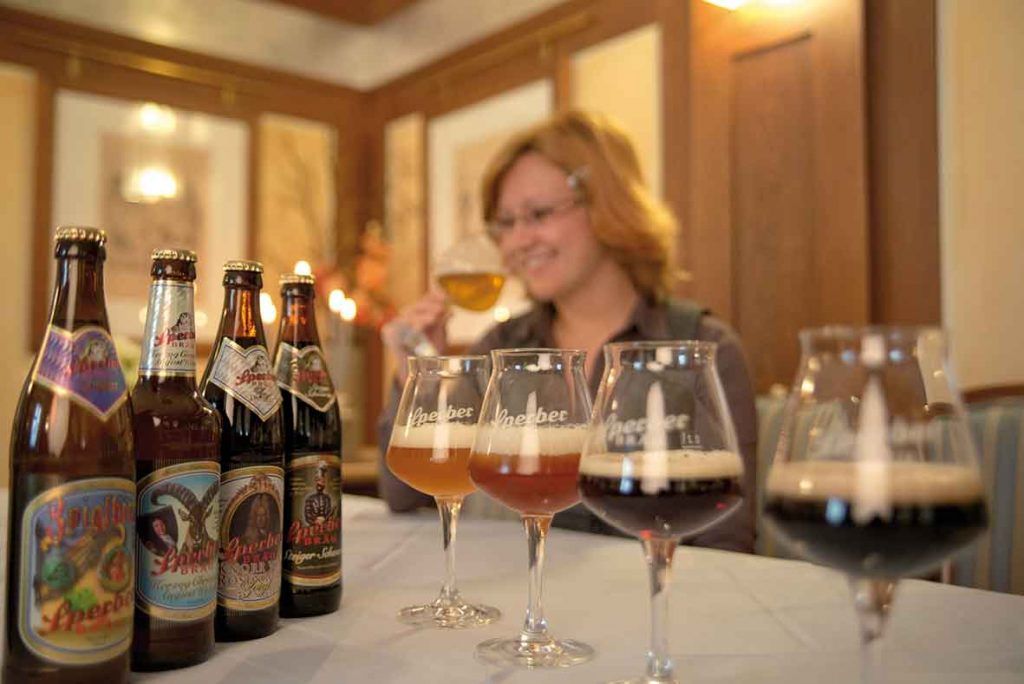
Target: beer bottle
[177,461]
[239,382]
[312,450]
[71,522]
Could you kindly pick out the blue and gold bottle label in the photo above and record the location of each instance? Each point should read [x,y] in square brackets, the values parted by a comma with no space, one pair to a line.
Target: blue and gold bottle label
[178,529]
[77,571]
[82,366]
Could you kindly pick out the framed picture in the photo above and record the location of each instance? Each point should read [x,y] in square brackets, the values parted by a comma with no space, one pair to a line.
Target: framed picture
[152,177]
[296,202]
[460,146]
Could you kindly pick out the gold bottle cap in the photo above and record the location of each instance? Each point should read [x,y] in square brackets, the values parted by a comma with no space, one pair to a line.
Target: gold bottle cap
[177,254]
[243,265]
[296,279]
[81,234]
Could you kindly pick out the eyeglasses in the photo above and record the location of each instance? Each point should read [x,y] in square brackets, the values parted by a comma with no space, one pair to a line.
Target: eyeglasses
[533,217]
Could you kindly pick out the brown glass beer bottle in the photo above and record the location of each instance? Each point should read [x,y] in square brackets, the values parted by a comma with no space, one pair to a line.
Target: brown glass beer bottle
[312,448]
[239,382]
[177,463]
[71,523]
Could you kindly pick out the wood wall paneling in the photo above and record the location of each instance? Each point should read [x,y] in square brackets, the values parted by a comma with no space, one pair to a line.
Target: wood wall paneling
[903,161]
[773,215]
[811,50]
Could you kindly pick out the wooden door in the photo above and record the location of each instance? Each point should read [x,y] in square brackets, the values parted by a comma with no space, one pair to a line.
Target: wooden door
[776,237]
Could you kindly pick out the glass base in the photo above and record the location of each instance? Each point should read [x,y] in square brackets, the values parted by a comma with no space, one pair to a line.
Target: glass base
[546,653]
[449,614]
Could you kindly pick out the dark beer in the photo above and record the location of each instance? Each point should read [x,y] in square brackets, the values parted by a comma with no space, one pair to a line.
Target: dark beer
[177,447]
[312,433]
[892,521]
[71,522]
[239,382]
[671,494]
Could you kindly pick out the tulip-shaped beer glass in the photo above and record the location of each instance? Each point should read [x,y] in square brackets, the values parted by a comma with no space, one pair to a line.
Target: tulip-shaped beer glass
[875,472]
[429,451]
[662,461]
[526,455]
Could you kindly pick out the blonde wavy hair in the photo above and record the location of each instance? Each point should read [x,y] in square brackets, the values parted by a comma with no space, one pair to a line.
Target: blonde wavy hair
[635,227]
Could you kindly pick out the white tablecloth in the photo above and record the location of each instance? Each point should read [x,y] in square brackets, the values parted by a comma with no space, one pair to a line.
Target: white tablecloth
[735,618]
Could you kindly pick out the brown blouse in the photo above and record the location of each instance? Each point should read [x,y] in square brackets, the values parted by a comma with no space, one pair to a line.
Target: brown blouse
[647,322]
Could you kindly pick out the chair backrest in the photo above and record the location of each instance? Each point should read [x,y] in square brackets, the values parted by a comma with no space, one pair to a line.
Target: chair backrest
[996,562]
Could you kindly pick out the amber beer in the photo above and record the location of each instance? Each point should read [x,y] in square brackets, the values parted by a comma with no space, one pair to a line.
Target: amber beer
[71,520]
[177,457]
[532,470]
[472,291]
[240,383]
[312,438]
[433,458]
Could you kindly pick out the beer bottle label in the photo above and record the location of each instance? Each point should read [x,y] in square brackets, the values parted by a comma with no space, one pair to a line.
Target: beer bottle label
[169,342]
[247,376]
[77,565]
[178,514]
[304,374]
[250,537]
[82,366]
[312,556]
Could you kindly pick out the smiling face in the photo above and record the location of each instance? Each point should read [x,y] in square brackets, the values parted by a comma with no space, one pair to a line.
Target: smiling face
[555,256]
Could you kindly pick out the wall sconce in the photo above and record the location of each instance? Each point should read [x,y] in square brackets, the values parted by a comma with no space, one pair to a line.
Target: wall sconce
[150,184]
[157,119]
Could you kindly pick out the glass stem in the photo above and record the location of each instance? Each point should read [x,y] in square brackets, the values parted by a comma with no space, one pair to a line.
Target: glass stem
[535,627]
[448,507]
[873,600]
[658,553]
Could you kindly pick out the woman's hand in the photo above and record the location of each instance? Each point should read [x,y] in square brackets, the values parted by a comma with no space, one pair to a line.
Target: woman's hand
[427,317]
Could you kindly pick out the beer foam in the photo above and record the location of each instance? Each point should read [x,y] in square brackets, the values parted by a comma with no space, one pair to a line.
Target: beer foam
[678,464]
[447,435]
[899,483]
[531,440]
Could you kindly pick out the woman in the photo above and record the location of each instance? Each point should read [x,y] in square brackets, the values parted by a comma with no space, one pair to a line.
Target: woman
[566,205]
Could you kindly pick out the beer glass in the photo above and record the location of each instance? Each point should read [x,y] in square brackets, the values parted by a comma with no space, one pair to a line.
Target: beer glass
[470,273]
[526,455]
[429,451]
[875,473]
[662,461]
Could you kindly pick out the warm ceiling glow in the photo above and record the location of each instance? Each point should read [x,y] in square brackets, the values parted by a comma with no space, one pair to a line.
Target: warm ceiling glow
[158,119]
[335,299]
[302,267]
[348,310]
[728,4]
[268,312]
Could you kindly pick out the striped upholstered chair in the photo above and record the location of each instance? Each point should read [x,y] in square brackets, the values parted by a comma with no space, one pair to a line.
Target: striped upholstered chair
[996,562]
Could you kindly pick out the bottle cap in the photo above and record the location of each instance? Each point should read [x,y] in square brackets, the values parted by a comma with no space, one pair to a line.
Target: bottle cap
[176,254]
[81,234]
[243,265]
[297,279]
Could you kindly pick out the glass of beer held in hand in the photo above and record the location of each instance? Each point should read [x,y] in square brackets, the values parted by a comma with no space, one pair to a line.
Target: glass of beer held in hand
[470,273]
[526,455]
[662,461]
[429,451]
[875,473]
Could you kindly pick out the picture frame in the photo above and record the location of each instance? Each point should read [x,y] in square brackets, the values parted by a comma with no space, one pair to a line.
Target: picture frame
[153,177]
[460,144]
